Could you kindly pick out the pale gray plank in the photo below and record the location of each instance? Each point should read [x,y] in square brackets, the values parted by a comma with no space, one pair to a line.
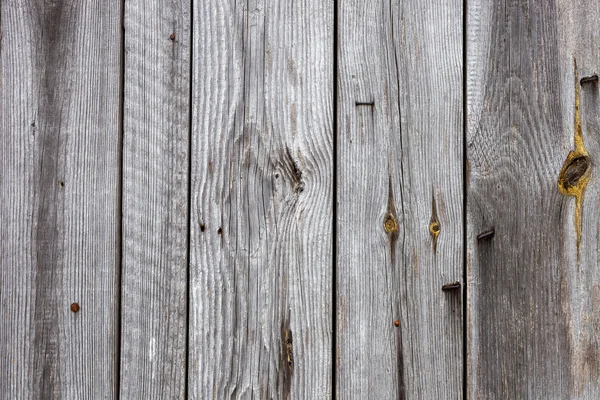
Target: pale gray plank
[59,121]
[155,199]
[400,200]
[261,209]
[534,291]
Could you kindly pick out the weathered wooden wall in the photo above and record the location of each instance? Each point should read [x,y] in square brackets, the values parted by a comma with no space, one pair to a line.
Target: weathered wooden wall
[261,200]
[316,199]
[157,56]
[400,200]
[534,286]
[59,189]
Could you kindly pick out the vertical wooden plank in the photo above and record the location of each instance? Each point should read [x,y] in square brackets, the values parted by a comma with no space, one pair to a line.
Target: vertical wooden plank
[155,198]
[534,291]
[400,200]
[261,208]
[59,121]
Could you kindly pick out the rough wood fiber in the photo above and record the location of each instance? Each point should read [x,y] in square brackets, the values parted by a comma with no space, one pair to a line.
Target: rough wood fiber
[261,208]
[59,121]
[155,199]
[400,200]
[534,286]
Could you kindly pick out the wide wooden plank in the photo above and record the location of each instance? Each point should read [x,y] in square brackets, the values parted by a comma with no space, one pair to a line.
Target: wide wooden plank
[400,200]
[59,185]
[155,199]
[261,208]
[534,286]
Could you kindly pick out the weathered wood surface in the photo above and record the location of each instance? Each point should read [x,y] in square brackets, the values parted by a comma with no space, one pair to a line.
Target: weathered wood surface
[534,291]
[59,121]
[400,200]
[261,207]
[155,199]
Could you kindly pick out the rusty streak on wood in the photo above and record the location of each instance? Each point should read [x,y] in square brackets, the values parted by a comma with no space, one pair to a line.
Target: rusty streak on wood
[575,173]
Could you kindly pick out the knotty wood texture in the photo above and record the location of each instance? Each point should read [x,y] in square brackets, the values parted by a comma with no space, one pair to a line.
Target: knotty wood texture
[534,292]
[261,207]
[155,199]
[400,200]
[59,121]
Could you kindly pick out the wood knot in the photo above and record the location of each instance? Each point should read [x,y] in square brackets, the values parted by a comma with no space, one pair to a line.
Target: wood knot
[390,225]
[434,228]
[290,349]
[434,224]
[576,168]
[296,172]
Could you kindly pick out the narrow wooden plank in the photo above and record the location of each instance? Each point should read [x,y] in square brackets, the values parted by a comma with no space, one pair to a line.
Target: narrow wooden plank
[261,209]
[534,286]
[59,121]
[400,200]
[155,199]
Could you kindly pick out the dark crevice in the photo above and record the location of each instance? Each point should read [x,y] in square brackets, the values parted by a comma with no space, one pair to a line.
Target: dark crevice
[189,204]
[119,244]
[465,187]
[334,205]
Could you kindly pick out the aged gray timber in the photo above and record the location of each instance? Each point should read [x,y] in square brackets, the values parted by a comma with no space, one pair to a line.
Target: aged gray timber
[155,199]
[261,207]
[400,200]
[533,146]
[59,121]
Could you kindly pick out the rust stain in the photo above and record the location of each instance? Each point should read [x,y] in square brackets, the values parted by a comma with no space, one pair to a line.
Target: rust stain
[575,173]
[434,224]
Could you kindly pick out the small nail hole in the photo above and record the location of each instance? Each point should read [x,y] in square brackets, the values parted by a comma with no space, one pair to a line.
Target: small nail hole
[220,231]
[202,227]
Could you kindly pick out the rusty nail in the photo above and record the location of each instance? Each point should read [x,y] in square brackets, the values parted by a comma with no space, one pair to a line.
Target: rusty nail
[172,36]
[396,323]
[451,286]
[593,78]
[75,307]
[486,235]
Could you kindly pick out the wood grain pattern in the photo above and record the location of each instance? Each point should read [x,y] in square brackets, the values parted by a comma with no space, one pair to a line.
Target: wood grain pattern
[261,208]
[400,200]
[59,121]
[155,199]
[534,286]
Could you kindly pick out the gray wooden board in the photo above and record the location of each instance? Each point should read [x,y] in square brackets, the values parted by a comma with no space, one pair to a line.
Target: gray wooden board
[400,200]
[59,121]
[155,199]
[261,207]
[534,292]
